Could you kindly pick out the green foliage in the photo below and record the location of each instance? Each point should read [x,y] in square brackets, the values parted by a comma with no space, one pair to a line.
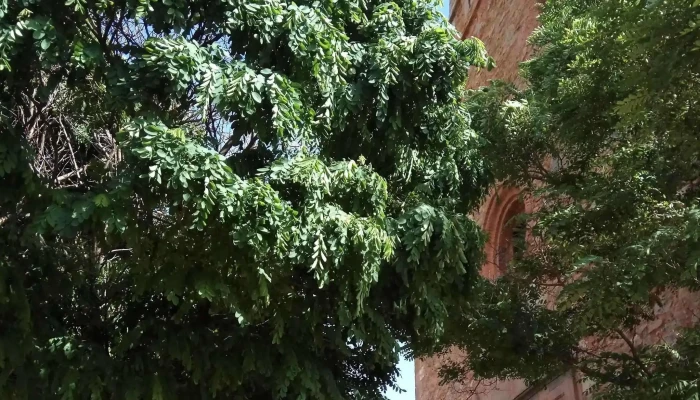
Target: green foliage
[606,136]
[227,198]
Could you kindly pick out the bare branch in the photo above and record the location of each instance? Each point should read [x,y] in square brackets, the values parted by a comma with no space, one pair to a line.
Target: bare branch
[234,140]
[72,173]
[633,351]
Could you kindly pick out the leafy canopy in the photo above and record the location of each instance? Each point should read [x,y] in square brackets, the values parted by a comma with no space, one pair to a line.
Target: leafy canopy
[606,135]
[229,198]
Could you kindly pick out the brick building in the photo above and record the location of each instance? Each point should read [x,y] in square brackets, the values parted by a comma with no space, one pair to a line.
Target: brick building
[504,26]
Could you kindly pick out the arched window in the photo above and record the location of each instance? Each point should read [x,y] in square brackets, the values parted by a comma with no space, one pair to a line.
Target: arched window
[501,216]
[519,240]
[512,241]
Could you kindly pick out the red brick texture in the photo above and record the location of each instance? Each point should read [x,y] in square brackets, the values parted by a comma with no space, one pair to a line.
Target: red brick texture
[504,26]
[494,216]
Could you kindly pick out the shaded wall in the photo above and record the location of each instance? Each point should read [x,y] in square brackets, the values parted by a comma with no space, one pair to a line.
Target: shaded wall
[504,26]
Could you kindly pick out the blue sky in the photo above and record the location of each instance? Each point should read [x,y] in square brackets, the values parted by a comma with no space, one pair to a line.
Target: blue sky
[406,382]
[445,8]
[407,379]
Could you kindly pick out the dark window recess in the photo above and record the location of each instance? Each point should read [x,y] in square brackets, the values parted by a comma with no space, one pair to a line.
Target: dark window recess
[519,239]
[513,242]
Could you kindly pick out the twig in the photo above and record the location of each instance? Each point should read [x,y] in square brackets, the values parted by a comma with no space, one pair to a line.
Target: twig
[41,148]
[70,148]
[72,173]
[633,350]
[120,250]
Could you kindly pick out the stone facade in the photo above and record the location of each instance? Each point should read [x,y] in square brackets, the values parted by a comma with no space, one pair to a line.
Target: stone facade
[504,26]
[494,214]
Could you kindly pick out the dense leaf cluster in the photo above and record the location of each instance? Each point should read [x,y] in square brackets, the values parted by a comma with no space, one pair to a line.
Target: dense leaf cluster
[229,198]
[606,135]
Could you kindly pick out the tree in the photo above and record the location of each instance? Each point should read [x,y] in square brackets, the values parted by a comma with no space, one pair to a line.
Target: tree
[230,198]
[605,135]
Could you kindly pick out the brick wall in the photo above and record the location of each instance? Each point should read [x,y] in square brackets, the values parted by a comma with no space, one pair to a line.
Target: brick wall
[504,26]
[500,205]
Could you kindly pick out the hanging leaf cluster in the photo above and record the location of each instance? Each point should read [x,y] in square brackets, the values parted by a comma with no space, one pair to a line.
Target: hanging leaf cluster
[230,198]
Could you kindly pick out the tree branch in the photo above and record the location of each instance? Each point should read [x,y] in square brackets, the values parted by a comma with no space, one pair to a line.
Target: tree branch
[234,140]
[633,350]
[63,177]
